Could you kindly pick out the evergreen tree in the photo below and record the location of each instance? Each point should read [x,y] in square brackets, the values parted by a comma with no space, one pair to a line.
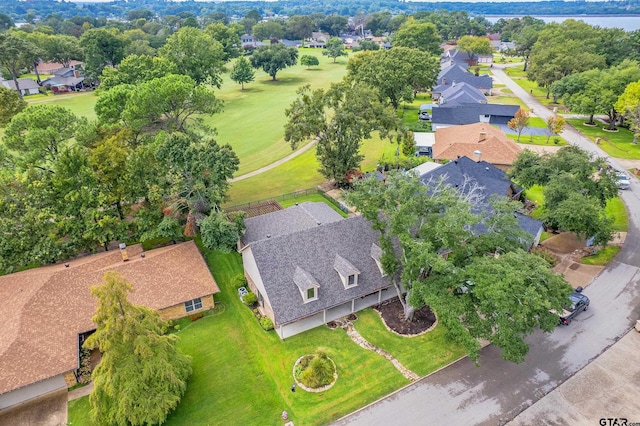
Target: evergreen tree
[142,375]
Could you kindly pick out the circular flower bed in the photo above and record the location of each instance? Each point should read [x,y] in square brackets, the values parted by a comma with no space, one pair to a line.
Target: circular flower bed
[315,372]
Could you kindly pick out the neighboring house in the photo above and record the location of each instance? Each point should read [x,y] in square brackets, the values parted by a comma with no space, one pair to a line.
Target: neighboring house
[309,266]
[455,56]
[461,93]
[452,74]
[492,181]
[291,43]
[424,143]
[493,145]
[65,80]
[48,310]
[27,86]
[464,104]
[453,115]
[53,67]
[318,40]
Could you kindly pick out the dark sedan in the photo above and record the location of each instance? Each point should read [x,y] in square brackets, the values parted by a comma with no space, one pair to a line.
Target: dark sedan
[579,303]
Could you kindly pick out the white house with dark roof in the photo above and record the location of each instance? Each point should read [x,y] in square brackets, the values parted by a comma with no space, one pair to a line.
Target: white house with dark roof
[27,86]
[308,266]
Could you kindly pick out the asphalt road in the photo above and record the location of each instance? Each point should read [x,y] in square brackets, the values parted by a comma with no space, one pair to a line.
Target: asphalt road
[495,391]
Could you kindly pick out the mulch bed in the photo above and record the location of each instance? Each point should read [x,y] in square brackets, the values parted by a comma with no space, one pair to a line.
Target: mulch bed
[392,313]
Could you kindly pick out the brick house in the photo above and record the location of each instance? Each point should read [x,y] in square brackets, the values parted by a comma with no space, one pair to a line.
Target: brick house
[47,313]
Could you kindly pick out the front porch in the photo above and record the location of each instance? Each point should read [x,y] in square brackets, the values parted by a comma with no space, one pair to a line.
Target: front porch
[331,314]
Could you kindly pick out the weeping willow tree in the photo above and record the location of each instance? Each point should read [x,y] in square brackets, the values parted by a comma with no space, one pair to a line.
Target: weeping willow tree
[142,375]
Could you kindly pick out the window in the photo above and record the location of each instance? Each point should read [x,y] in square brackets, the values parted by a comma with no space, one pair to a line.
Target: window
[351,281]
[311,293]
[193,305]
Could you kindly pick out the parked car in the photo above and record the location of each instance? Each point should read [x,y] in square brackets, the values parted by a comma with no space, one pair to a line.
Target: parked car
[622,180]
[578,303]
[424,115]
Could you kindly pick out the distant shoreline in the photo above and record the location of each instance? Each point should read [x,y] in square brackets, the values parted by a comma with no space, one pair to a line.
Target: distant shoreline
[565,15]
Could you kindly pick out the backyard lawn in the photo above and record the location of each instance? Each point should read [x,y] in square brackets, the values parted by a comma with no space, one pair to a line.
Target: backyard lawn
[617,144]
[538,139]
[243,375]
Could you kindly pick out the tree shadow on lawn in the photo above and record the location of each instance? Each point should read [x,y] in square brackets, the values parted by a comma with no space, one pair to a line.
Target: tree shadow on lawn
[286,81]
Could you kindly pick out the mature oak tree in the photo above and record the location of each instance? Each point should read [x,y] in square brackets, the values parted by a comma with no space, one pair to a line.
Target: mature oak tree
[15,54]
[102,48]
[570,176]
[196,54]
[628,103]
[274,58]
[142,375]
[480,284]
[340,119]
[418,35]
[397,73]
[135,69]
[10,105]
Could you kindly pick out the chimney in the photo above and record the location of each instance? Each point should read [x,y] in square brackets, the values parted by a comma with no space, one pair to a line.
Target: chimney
[453,84]
[76,74]
[483,136]
[444,80]
[123,252]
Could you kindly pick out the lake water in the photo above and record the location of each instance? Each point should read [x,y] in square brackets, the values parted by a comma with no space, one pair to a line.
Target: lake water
[627,23]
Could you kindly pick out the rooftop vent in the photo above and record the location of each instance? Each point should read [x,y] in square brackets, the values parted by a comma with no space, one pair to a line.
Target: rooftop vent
[123,252]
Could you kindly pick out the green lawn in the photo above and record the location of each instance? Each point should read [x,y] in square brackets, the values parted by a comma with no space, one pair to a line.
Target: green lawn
[421,354]
[301,173]
[617,144]
[81,104]
[539,140]
[313,198]
[601,258]
[615,208]
[253,120]
[507,100]
[520,77]
[242,374]
[409,113]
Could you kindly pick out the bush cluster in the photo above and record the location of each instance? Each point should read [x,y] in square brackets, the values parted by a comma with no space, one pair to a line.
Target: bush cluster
[316,370]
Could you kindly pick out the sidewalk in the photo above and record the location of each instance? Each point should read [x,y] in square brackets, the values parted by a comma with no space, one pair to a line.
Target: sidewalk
[608,387]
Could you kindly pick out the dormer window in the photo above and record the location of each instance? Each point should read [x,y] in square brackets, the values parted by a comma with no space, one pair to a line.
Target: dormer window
[348,273]
[311,293]
[307,285]
[376,254]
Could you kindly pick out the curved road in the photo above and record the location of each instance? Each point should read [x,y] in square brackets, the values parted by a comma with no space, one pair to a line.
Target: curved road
[496,391]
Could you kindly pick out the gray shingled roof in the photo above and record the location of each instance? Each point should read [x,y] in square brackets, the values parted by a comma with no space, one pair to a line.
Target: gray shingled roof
[464,91]
[470,113]
[304,280]
[24,83]
[459,74]
[297,218]
[344,267]
[315,250]
[493,180]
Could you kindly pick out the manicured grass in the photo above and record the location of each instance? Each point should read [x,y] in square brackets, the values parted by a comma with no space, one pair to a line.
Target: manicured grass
[242,374]
[617,210]
[545,236]
[535,194]
[537,122]
[301,173]
[81,104]
[253,120]
[538,140]
[520,77]
[617,144]
[421,354]
[409,113]
[314,198]
[507,100]
[603,256]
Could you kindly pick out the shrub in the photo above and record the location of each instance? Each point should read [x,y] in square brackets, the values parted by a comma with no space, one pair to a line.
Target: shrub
[240,281]
[549,257]
[197,316]
[249,299]
[319,371]
[266,323]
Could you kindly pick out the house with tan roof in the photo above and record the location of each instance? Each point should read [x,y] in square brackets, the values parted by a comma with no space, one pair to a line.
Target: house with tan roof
[47,315]
[481,141]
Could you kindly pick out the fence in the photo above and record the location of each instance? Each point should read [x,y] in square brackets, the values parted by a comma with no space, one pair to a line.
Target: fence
[290,196]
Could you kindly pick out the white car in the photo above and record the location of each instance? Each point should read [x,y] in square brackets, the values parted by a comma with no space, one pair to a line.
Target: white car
[622,180]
